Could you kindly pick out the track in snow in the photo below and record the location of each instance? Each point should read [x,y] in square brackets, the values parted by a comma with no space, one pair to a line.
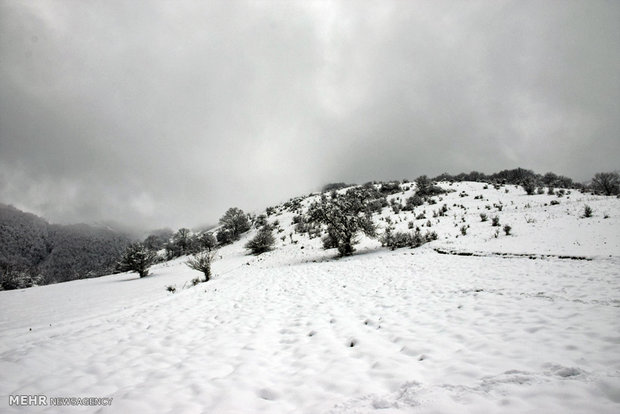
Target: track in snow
[388,331]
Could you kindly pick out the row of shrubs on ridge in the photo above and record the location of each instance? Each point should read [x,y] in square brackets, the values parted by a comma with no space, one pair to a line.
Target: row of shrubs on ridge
[343,212]
[338,217]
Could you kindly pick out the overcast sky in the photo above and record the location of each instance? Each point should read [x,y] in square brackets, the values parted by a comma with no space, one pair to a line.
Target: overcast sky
[165,113]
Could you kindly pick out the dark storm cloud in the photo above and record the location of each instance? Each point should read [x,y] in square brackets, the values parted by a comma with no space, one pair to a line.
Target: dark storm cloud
[169,114]
[456,87]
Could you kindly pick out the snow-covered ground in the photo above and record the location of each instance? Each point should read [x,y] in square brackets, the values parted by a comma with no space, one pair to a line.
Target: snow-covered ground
[296,331]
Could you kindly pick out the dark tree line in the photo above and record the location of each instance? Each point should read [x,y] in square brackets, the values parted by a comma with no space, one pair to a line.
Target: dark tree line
[516,176]
[33,251]
[605,183]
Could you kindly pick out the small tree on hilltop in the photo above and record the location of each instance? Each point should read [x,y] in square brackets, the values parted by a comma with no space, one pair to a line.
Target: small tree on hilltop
[550,179]
[423,184]
[345,216]
[136,258]
[426,187]
[235,221]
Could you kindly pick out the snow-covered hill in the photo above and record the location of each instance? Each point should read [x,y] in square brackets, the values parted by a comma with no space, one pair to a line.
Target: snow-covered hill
[481,322]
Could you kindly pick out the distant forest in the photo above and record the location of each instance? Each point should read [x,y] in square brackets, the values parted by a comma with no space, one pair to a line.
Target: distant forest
[50,253]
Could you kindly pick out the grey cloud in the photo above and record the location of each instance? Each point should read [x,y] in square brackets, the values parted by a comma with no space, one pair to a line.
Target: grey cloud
[169,114]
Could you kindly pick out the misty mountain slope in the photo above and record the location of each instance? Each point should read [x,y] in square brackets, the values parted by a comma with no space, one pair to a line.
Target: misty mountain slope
[23,236]
[57,252]
[295,330]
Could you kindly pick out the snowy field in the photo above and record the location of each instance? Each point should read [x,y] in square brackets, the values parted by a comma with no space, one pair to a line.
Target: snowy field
[525,323]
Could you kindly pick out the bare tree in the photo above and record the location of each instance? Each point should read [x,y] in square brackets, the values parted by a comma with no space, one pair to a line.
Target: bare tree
[202,262]
[606,183]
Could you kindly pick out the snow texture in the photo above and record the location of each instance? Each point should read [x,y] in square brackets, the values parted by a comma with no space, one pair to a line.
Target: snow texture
[526,323]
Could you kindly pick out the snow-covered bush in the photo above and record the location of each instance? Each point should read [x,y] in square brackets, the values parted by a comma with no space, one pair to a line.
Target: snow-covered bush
[334,186]
[529,185]
[587,211]
[495,221]
[426,187]
[293,205]
[261,220]
[262,242]
[391,187]
[301,225]
[412,202]
[399,239]
[16,279]
[202,262]
[375,206]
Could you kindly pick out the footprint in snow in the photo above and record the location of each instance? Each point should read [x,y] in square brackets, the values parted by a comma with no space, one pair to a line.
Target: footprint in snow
[562,371]
[267,394]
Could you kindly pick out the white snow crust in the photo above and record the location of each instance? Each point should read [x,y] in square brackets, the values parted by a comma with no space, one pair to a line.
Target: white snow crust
[529,323]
